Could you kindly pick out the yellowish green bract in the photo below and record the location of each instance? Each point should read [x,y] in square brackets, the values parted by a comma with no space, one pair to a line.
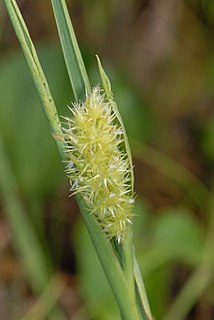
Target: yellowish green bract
[97,167]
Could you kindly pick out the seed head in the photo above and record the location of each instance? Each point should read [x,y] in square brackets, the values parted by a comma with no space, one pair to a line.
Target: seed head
[97,167]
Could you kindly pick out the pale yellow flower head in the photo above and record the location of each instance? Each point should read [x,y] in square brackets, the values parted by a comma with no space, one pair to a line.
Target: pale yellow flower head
[97,167]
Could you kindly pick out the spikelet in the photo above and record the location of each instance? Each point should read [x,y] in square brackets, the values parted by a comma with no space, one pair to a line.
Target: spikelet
[97,167]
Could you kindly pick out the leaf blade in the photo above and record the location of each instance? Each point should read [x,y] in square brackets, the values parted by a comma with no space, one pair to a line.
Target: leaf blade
[72,55]
[36,70]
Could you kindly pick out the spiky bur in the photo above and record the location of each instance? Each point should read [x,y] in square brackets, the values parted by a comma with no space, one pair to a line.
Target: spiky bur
[97,167]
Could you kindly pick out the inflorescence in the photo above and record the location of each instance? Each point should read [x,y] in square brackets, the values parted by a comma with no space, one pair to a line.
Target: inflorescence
[97,167]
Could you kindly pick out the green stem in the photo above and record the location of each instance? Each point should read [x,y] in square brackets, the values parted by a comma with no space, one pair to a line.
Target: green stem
[128,263]
[142,296]
[111,266]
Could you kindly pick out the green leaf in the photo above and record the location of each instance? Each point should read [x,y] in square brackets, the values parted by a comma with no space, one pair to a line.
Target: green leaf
[36,69]
[73,58]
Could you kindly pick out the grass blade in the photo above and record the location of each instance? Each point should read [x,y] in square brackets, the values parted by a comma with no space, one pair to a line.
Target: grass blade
[35,68]
[73,58]
[141,290]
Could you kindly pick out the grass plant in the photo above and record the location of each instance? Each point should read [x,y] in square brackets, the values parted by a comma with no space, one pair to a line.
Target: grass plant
[174,230]
[110,228]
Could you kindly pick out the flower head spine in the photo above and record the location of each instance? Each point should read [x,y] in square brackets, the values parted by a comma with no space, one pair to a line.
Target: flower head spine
[97,166]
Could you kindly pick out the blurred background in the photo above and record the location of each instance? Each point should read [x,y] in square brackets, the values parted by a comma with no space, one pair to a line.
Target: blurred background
[159,56]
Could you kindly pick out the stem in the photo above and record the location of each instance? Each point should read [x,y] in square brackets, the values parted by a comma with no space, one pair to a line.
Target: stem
[128,263]
[111,266]
[142,296]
